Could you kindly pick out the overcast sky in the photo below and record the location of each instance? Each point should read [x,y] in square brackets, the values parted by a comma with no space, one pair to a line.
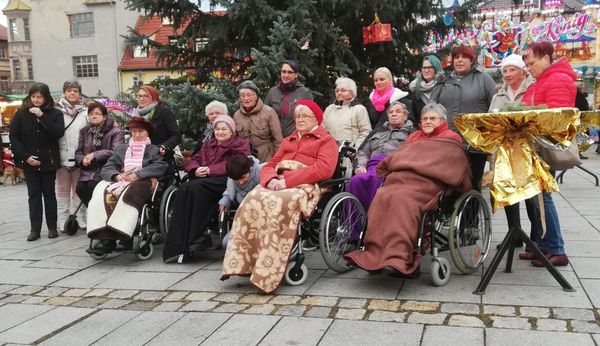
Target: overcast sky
[2,16]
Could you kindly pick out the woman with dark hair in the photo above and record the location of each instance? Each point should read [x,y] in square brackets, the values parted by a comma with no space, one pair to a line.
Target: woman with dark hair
[97,142]
[284,95]
[422,86]
[166,134]
[34,133]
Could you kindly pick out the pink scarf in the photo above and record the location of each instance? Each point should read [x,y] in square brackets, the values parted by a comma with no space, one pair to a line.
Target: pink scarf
[134,156]
[379,100]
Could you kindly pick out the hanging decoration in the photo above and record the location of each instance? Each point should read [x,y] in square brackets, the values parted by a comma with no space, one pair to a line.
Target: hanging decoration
[377,32]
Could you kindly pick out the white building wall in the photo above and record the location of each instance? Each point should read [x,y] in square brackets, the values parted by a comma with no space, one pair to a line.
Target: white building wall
[53,48]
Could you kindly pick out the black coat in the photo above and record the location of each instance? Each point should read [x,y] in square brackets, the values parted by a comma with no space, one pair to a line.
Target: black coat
[379,118]
[166,131]
[30,135]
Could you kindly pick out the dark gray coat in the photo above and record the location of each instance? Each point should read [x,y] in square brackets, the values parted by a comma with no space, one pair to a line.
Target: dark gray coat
[383,141]
[283,101]
[112,136]
[152,163]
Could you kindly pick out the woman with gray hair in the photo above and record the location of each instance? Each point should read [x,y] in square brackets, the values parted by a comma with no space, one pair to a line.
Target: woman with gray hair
[212,110]
[75,118]
[347,119]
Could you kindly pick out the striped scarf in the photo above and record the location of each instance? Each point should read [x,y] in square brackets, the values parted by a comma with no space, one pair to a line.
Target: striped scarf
[134,156]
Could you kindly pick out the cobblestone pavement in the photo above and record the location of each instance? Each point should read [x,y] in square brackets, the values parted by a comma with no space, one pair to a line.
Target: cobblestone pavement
[53,293]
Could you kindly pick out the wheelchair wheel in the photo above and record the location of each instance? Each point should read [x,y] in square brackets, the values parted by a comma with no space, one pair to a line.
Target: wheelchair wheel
[342,214]
[165,213]
[295,277]
[98,257]
[146,250]
[440,271]
[469,235]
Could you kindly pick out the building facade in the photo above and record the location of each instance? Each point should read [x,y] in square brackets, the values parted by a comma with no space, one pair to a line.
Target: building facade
[19,45]
[5,85]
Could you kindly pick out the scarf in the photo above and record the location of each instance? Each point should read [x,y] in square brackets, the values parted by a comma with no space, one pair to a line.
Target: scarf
[208,133]
[422,88]
[380,100]
[291,86]
[134,156]
[70,109]
[145,110]
[97,134]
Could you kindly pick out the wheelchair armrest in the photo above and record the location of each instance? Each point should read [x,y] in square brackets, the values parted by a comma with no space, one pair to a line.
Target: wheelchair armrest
[333,182]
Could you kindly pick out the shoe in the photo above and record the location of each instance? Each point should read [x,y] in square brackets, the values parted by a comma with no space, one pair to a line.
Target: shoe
[105,247]
[157,238]
[557,261]
[52,233]
[397,274]
[33,236]
[204,242]
[530,256]
[124,245]
[583,157]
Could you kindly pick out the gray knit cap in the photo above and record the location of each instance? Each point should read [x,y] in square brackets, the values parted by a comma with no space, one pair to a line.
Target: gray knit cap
[248,84]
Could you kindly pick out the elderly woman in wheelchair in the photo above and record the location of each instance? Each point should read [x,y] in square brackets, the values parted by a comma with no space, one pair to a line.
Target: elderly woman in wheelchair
[129,177]
[266,223]
[431,161]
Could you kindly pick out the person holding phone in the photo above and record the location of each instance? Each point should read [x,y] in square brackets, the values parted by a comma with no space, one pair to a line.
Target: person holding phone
[34,133]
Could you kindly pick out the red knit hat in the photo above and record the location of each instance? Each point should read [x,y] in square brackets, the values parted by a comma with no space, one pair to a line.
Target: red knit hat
[313,107]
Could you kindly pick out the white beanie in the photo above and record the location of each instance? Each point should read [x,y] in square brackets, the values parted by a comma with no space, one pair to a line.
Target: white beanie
[513,60]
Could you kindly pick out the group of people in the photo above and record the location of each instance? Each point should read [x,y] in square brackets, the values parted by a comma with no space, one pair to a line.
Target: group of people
[269,157]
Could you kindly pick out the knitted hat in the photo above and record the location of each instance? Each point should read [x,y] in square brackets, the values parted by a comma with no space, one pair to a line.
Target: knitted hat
[513,60]
[317,111]
[293,64]
[138,122]
[248,84]
[227,120]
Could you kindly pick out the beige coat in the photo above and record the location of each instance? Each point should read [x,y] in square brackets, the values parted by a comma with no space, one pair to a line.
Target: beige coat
[261,128]
[347,122]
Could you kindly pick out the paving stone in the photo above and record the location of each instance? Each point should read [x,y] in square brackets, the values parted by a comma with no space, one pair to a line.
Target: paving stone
[510,322]
[14,298]
[89,302]
[457,308]
[169,306]
[291,310]
[585,327]
[529,311]
[319,301]
[34,300]
[199,306]
[194,296]
[98,292]
[551,325]
[76,292]
[318,311]
[455,336]
[352,303]
[123,294]
[231,307]
[29,290]
[420,306]
[284,300]
[574,314]
[296,331]
[255,299]
[242,330]
[15,314]
[372,333]
[113,304]
[192,329]
[150,295]
[51,291]
[260,309]
[465,321]
[387,316]
[141,305]
[140,329]
[228,297]
[63,301]
[421,318]
[529,337]
[6,288]
[350,314]
[499,310]
[176,296]
[380,304]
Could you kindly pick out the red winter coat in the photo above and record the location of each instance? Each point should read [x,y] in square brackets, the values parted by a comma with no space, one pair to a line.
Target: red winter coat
[555,88]
[318,150]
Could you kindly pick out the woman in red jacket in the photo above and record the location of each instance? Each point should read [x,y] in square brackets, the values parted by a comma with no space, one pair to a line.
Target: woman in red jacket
[554,87]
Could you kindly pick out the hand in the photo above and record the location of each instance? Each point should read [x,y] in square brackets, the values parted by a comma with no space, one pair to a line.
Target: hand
[33,161]
[360,170]
[222,208]
[87,159]
[162,151]
[36,111]
[273,184]
[281,184]
[202,171]
[131,177]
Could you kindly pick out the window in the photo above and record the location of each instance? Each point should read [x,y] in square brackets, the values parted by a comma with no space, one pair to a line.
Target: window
[140,52]
[14,31]
[201,43]
[85,66]
[4,83]
[167,21]
[173,41]
[2,53]
[29,69]
[82,24]
[17,70]
[26,29]
[137,81]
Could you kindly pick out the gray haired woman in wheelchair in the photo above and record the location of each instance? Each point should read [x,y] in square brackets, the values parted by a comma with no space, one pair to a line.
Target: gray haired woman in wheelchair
[429,162]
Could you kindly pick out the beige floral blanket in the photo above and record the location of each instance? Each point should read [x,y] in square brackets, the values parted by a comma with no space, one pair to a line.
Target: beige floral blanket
[264,230]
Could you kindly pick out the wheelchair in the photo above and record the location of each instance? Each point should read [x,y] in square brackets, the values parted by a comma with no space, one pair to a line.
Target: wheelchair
[150,217]
[461,224]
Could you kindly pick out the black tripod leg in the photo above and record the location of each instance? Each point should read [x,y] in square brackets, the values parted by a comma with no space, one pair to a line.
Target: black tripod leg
[549,267]
[487,276]
[559,178]
[590,173]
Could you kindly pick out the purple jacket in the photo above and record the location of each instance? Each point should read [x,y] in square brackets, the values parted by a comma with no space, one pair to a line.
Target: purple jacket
[112,136]
[214,155]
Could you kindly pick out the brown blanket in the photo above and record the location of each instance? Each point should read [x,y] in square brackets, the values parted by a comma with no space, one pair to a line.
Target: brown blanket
[415,174]
[264,230]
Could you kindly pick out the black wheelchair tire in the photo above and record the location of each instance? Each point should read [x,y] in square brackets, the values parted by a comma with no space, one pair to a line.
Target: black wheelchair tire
[166,204]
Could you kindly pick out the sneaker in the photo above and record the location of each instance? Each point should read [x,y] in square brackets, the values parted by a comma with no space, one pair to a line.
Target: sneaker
[555,260]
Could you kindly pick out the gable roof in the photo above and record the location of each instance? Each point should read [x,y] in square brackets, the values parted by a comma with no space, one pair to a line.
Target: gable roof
[16,5]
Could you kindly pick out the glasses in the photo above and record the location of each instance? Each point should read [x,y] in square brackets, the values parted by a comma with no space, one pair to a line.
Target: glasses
[425,119]
[427,68]
[143,96]
[341,90]
[287,72]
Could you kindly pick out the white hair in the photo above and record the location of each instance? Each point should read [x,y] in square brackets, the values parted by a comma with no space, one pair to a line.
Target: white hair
[347,83]
[216,104]
[435,108]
